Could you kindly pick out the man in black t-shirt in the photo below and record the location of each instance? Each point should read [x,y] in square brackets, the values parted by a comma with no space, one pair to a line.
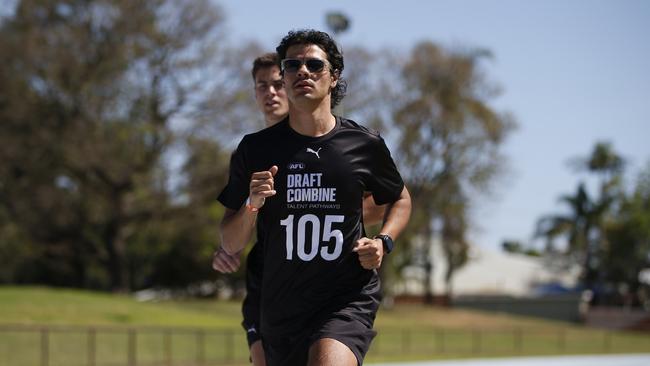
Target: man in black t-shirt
[304,180]
[271,100]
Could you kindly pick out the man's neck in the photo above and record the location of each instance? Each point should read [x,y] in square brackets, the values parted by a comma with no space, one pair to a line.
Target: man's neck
[312,122]
[270,121]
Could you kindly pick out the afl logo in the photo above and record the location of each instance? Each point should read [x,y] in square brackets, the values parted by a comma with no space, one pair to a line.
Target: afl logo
[296,166]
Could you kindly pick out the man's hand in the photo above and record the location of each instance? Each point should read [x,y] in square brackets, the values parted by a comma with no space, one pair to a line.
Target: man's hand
[262,186]
[371,252]
[224,262]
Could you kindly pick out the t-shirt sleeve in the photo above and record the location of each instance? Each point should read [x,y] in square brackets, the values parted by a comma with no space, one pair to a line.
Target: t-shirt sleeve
[386,183]
[237,189]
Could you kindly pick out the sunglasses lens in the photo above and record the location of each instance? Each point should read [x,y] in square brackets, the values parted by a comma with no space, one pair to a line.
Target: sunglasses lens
[291,65]
[315,65]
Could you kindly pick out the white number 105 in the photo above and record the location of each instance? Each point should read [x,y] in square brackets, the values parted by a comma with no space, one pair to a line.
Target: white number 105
[328,234]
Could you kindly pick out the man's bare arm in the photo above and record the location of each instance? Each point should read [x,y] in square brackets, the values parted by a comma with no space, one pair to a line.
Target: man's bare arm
[397,215]
[237,229]
[237,226]
[371,251]
[372,213]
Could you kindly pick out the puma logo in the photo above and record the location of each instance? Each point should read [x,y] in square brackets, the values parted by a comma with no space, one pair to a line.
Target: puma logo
[310,150]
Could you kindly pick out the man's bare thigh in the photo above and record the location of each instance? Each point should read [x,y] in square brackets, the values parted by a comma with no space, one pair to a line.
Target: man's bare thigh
[330,352]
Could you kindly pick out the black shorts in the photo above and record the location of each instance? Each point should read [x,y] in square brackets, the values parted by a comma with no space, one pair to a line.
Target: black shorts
[294,351]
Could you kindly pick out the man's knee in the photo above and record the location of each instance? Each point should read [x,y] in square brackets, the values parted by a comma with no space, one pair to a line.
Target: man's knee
[330,352]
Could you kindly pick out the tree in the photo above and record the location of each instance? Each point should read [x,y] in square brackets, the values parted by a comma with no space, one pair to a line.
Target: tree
[584,227]
[449,145]
[90,90]
[337,22]
[605,162]
[577,226]
[629,236]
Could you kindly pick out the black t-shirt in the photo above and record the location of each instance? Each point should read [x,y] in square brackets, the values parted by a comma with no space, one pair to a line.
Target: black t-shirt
[254,270]
[311,225]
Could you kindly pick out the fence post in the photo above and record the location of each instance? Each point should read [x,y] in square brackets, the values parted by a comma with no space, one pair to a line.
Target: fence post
[45,347]
[167,346]
[607,340]
[406,340]
[561,340]
[200,344]
[132,347]
[476,340]
[92,346]
[230,356]
[518,340]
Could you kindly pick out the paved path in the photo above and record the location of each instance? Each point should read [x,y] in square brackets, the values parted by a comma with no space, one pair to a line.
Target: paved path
[591,360]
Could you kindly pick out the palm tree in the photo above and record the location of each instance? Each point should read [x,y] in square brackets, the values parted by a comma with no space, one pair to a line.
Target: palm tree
[584,226]
[578,227]
[605,161]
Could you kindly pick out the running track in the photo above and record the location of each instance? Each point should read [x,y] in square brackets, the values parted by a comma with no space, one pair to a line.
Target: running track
[608,360]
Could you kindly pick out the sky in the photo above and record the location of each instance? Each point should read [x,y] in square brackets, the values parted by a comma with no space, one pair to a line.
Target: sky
[573,72]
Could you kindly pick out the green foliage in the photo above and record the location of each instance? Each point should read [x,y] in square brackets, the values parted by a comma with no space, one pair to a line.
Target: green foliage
[91,90]
[608,233]
[101,100]
[628,235]
[449,145]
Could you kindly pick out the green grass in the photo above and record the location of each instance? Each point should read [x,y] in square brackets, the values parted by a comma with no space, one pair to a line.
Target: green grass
[81,328]
[49,306]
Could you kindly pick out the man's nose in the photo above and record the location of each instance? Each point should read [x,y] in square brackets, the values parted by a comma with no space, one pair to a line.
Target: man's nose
[302,71]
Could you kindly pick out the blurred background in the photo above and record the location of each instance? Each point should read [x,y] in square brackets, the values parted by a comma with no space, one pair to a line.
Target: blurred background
[520,129]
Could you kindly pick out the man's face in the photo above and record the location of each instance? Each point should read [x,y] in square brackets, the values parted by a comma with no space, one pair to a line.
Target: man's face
[304,85]
[270,95]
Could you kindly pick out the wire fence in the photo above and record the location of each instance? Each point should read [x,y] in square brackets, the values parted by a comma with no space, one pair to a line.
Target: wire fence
[148,346]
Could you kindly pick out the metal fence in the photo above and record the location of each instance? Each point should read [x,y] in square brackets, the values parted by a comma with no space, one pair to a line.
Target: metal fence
[114,346]
[111,346]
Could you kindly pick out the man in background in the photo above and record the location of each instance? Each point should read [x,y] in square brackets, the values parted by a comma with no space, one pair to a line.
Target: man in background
[271,100]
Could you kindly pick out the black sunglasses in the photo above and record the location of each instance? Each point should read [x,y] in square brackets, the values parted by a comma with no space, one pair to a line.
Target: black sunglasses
[293,64]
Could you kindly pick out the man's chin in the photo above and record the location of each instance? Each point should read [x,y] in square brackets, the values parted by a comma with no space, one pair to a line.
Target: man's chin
[304,98]
[275,113]
[273,110]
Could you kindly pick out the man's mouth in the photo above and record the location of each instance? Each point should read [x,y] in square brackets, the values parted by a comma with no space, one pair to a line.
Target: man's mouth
[302,84]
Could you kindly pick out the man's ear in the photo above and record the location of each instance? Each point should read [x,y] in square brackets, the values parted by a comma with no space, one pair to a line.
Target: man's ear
[334,78]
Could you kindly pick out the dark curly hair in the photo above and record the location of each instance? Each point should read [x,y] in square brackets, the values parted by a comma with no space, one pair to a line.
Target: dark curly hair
[264,61]
[327,44]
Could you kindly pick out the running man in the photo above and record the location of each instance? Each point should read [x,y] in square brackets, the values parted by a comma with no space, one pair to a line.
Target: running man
[303,181]
[271,100]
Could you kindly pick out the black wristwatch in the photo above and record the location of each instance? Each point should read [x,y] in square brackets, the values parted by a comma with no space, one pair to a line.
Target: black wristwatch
[387,241]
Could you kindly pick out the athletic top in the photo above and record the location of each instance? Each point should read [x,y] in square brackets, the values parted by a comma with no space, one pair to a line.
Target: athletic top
[312,223]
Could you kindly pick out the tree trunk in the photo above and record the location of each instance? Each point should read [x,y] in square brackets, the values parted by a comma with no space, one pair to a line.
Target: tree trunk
[79,264]
[115,249]
[448,275]
[428,266]
[115,246]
